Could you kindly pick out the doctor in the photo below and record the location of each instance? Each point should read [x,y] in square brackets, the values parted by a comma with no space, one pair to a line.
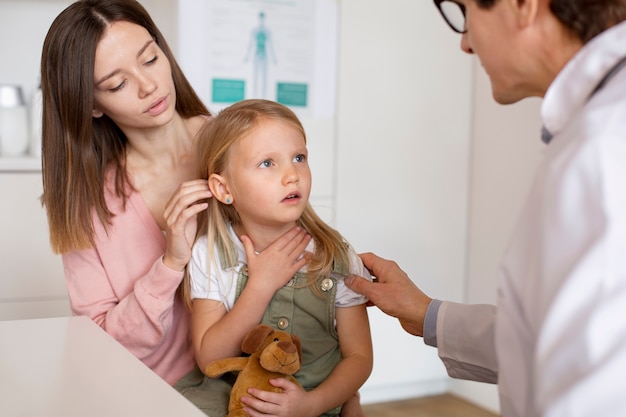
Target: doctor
[556,342]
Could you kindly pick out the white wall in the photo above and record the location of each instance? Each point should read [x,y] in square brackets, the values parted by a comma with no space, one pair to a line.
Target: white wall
[432,173]
[403,144]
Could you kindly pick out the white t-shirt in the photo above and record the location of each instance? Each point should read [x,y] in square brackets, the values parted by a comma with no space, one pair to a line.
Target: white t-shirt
[221,285]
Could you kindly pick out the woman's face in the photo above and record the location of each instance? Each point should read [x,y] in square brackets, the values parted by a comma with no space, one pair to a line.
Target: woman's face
[132,79]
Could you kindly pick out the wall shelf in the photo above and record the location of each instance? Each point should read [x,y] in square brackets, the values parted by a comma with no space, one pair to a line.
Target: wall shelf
[20,164]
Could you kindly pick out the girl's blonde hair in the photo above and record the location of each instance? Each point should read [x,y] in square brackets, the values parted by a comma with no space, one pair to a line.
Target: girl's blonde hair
[215,141]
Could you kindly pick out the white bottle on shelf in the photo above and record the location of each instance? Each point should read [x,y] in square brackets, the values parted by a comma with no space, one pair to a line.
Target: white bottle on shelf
[13,121]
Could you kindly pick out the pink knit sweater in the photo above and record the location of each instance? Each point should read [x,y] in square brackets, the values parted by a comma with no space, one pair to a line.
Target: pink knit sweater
[123,285]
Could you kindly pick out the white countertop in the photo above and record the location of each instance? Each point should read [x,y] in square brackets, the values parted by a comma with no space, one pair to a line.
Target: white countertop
[70,367]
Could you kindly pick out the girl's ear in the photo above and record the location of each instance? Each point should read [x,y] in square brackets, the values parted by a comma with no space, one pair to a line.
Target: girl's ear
[219,188]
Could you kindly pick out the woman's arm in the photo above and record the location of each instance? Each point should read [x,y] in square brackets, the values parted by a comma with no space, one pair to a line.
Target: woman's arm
[123,283]
[136,309]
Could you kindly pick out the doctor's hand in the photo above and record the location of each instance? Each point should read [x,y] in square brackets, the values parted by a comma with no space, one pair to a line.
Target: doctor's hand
[393,292]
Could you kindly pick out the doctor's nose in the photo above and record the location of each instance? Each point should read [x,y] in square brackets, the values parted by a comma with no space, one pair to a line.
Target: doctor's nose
[465,46]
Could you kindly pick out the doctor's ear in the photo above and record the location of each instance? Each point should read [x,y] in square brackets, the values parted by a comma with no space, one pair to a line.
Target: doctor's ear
[219,188]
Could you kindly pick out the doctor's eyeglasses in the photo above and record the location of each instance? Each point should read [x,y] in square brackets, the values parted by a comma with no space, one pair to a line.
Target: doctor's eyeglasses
[453,13]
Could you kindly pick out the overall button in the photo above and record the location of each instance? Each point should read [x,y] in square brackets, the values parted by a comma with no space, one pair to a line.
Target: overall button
[283,323]
[290,283]
[327,284]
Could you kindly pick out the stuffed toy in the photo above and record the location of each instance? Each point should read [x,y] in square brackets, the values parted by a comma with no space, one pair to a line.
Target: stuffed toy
[273,354]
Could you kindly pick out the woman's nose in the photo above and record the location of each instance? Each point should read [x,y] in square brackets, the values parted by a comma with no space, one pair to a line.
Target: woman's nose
[146,85]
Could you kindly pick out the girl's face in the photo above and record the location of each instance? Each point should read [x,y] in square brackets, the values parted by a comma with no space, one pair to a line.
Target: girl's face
[133,79]
[269,173]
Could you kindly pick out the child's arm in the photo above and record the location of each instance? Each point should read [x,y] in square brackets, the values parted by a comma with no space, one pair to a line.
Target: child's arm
[347,377]
[355,367]
[216,333]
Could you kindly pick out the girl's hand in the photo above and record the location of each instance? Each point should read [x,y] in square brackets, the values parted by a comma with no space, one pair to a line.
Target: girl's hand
[352,407]
[180,214]
[275,266]
[292,402]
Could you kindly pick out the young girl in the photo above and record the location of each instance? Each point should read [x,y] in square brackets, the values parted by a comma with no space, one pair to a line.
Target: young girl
[255,158]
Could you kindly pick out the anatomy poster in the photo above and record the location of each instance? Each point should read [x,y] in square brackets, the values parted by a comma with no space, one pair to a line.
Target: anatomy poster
[273,49]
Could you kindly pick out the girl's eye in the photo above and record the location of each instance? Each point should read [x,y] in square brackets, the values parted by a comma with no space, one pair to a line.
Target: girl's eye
[300,158]
[266,164]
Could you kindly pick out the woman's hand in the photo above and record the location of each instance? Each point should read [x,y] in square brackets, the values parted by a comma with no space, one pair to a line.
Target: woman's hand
[278,263]
[181,218]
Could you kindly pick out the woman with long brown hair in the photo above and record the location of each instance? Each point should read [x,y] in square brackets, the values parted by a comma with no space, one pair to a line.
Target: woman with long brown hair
[119,127]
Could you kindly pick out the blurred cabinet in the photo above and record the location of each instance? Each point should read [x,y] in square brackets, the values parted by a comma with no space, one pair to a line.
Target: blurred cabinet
[31,276]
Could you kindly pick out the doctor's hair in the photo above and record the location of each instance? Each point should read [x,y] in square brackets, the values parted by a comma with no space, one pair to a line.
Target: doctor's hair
[584,18]
[78,150]
[215,142]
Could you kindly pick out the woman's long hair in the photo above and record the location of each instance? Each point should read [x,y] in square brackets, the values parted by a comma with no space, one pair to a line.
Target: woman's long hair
[215,141]
[77,150]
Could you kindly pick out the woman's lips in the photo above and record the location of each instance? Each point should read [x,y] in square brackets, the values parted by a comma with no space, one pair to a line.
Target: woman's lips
[158,107]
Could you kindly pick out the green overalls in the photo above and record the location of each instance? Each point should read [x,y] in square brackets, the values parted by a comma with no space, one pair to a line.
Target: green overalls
[297,309]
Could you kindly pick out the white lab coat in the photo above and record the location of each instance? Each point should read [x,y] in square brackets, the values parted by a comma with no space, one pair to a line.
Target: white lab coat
[560,324]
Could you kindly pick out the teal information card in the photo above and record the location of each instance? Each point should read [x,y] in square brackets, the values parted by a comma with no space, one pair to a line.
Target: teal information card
[228,91]
[292,94]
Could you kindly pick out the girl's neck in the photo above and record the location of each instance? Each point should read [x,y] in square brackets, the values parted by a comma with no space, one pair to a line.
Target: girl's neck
[262,236]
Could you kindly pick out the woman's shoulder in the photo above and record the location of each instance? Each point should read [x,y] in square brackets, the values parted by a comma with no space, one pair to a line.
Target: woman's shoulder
[195,123]
[110,184]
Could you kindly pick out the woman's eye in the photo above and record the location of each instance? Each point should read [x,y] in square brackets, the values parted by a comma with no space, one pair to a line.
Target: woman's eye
[118,87]
[152,61]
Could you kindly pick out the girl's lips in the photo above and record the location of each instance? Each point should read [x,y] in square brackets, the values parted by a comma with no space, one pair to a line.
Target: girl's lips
[292,197]
[158,107]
